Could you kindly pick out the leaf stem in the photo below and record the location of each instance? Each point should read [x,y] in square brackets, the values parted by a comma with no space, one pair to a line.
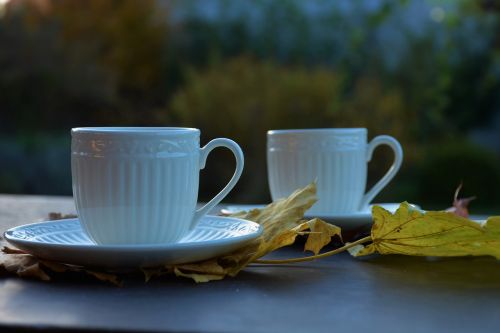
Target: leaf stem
[317,256]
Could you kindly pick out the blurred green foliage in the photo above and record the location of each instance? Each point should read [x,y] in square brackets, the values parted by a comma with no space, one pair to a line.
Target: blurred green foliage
[464,163]
[37,163]
[74,63]
[239,68]
[243,98]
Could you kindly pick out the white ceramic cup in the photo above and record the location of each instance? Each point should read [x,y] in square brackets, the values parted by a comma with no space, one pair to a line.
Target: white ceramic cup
[139,185]
[335,157]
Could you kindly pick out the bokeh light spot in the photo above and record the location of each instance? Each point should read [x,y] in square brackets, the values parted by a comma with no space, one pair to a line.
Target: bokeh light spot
[437,14]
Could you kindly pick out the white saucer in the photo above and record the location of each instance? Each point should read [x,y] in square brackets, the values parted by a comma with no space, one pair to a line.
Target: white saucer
[65,241]
[345,221]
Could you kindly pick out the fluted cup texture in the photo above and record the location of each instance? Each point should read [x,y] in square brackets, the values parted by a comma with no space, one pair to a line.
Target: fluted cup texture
[335,158]
[135,187]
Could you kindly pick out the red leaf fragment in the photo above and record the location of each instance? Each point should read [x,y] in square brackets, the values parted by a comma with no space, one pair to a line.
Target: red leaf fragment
[460,206]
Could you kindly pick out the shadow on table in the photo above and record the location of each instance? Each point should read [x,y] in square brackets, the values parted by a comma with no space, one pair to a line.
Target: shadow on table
[458,272]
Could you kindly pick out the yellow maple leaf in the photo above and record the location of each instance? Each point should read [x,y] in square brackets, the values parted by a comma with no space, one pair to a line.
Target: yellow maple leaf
[282,222]
[277,219]
[412,232]
[320,234]
[280,217]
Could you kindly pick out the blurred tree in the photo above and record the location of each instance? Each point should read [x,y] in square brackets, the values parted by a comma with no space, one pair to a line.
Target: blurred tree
[392,66]
[128,37]
[73,63]
[243,98]
[428,65]
[42,84]
[452,81]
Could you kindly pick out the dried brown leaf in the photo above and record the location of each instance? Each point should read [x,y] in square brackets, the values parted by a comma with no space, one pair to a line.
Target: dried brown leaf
[11,250]
[198,278]
[105,277]
[14,261]
[23,265]
[150,273]
[278,221]
[321,234]
[59,216]
[56,267]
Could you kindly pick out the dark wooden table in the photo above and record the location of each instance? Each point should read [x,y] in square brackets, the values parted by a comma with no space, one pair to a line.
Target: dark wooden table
[336,294]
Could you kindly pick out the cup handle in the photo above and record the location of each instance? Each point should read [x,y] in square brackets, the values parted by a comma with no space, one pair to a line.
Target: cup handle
[240,161]
[398,159]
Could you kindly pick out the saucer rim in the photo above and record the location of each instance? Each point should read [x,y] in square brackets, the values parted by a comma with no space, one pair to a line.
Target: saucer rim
[479,218]
[360,214]
[133,256]
[131,247]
